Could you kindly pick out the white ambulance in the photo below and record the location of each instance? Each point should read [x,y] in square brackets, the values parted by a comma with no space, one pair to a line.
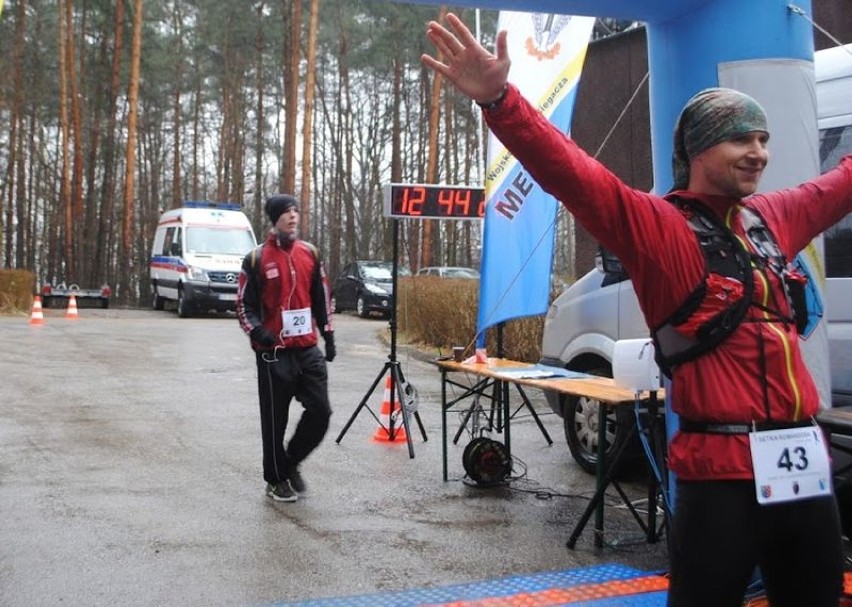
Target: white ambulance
[196,257]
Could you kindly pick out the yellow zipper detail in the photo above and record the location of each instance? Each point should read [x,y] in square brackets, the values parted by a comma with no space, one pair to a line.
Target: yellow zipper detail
[785,342]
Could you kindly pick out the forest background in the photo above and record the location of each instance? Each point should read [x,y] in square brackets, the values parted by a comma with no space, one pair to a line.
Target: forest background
[112,112]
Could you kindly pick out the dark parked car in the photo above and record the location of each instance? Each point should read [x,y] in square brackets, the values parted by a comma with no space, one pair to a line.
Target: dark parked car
[366,287]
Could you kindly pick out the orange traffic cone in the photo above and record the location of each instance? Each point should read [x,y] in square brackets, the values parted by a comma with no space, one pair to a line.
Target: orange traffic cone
[383,431]
[71,312]
[37,316]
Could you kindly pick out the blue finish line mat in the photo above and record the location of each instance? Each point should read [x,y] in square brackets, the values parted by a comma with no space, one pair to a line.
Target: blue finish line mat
[610,585]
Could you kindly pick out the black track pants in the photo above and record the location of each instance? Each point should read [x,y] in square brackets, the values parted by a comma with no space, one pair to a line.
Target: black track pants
[289,373]
[720,534]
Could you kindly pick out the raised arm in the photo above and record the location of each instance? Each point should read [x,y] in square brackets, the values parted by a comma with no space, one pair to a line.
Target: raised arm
[472,69]
[648,233]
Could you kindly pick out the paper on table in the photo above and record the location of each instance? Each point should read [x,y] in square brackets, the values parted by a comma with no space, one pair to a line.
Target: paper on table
[532,373]
[538,372]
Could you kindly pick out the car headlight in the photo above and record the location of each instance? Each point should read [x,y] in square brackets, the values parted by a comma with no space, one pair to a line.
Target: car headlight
[196,273]
[375,289]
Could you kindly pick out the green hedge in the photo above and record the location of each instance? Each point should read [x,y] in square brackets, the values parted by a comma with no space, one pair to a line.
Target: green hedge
[16,291]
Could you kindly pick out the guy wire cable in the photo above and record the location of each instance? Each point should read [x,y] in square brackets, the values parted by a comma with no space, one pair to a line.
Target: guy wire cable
[623,113]
[796,10]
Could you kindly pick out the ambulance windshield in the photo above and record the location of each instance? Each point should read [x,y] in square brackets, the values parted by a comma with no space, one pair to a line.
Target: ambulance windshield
[218,241]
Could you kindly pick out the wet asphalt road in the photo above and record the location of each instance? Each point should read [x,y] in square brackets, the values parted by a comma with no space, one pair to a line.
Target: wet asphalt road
[130,474]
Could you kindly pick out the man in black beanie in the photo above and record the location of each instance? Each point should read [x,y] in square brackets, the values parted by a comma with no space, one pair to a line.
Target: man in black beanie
[283,302]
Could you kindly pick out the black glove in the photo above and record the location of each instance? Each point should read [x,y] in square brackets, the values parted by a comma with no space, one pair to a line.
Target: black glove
[330,350]
[262,336]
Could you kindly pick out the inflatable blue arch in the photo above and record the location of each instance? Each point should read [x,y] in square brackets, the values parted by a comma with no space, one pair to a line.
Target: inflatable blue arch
[695,44]
[762,47]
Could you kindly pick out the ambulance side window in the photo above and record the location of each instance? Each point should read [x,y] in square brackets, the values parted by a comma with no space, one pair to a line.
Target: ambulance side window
[176,242]
[171,242]
[167,241]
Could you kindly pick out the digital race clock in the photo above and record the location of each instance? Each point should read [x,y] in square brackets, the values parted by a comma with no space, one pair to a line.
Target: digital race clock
[434,201]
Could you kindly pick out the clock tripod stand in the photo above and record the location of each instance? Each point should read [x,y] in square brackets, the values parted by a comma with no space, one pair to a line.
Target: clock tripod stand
[399,388]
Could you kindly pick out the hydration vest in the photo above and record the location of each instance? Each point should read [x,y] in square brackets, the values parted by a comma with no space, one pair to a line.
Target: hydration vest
[729,283]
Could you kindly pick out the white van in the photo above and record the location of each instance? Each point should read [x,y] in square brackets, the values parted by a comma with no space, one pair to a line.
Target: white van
[586,320]
[834,102]
[196,257]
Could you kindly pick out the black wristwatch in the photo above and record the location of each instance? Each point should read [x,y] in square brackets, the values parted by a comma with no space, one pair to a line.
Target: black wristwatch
[490,105]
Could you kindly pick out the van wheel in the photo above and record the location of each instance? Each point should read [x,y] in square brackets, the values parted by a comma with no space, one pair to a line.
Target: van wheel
[581,423]
[183,308]
[361,307]
[156,301]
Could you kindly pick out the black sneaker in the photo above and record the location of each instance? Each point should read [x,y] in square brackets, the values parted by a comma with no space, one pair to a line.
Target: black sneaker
[282,492]
[296,480]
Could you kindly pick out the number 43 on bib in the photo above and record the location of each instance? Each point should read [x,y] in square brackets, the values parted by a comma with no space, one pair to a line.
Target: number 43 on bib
[790,464]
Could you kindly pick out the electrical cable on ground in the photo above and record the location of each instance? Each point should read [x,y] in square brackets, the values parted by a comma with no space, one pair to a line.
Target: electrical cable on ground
[652,460]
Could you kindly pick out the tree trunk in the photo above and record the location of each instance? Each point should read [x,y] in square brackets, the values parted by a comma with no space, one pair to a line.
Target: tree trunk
[108,208]
[15,169]
[36,147]
[65,184]
[432,159]
[130,149]
[310,83]
[197,127]
[224,129]
[90,243]
[177,184]
[257,188]
[292,99]
[73,269]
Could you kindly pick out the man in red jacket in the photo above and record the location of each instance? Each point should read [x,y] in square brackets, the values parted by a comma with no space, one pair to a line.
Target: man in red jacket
[283,301]
[737,394]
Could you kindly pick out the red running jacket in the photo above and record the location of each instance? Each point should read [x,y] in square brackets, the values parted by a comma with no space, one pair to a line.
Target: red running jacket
[283,278]
[661,254]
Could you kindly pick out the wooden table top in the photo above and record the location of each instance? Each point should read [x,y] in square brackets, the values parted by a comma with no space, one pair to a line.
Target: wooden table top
[576,384]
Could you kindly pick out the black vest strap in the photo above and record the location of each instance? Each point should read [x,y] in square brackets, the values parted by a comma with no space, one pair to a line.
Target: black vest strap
[724,255]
